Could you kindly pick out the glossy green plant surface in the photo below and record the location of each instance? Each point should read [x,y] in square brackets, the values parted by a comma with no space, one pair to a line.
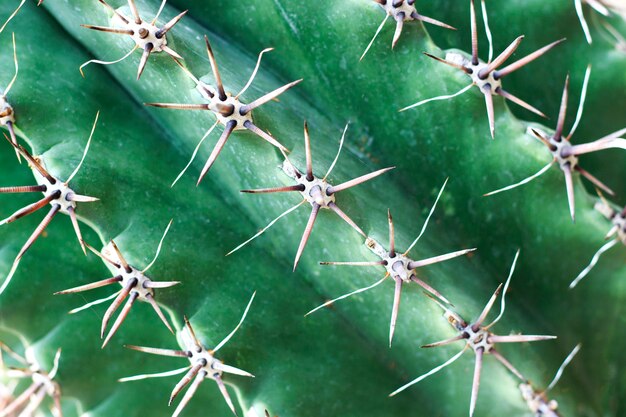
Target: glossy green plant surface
[336,361]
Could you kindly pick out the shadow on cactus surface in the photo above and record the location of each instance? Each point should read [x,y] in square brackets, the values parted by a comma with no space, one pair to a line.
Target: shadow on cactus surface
[336,362]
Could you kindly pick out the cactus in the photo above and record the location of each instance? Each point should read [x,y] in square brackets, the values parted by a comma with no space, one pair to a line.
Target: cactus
[336,362]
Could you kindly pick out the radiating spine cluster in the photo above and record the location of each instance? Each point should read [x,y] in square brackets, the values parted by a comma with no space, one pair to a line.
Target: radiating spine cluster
[318,192]
[147,36]
[57,194]
[565,154]
[401,11]
[41,384]
[135,286]
[203,364]
[228,109]
[480,339]
[486,75]
[399,267]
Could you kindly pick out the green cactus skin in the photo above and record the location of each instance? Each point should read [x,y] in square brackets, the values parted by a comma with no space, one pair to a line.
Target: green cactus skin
[335,362]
